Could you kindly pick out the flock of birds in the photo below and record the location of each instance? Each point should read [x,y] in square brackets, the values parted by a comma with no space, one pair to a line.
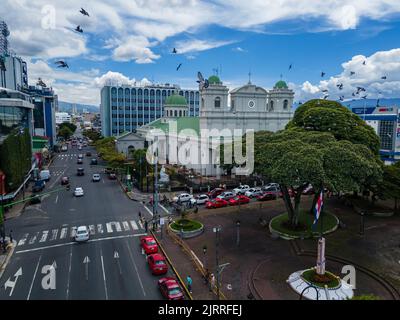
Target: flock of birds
[203,83]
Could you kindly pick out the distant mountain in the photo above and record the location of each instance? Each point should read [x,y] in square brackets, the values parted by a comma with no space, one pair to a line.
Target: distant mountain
[364,103]
[67,107]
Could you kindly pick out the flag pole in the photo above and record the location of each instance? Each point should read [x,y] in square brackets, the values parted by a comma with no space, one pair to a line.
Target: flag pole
[322,214]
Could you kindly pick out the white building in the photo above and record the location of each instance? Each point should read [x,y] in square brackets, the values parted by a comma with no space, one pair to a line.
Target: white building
[62,117]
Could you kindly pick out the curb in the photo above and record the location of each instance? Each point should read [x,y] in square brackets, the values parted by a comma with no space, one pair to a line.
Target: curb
[172,266]
[9,254]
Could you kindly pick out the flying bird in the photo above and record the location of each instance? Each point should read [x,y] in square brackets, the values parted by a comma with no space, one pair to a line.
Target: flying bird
[352,73]
[41,83]
[322,74]
[84,12]
[62,64]
[353,94]
[174,51]
[79,29]
[178,67]
[201,81]
[290,67]
[340,86]
[383,78]
[325,90]
[341,98]
[326,96]
[364,63]
[364,97]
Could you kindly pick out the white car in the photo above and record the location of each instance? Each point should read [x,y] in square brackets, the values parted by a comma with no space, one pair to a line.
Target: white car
[253,192]
[64,148]
[201,199]
[241,189]
[184,197]
[96,177]
[78,192]
[82,234]
[226,195]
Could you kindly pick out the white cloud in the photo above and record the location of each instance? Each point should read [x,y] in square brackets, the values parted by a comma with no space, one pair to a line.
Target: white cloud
[134,48]
[195,45]
[239,49]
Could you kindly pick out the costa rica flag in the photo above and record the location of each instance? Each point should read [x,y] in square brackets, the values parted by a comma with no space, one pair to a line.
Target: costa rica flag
[318,207]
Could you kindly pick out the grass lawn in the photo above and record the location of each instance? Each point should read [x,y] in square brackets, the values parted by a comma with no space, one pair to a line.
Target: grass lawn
[331,280]
[279,223]
[186,225]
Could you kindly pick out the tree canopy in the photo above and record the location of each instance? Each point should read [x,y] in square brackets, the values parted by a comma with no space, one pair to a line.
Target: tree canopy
[68,125]
[65,132]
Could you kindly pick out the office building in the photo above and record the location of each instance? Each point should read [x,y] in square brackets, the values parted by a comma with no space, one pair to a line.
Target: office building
[126,108]
[62,117]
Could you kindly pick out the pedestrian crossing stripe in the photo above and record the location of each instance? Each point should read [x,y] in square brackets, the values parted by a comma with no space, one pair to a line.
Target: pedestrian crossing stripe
[62,233]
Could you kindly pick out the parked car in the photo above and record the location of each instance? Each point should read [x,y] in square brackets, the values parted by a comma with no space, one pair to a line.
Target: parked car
[253,192]
[271,184]
[241,189]
[93,161]
[201,199]
[216,203]
[215,193]
[79,161]
[82,234]
[88,154]
[108,170]
[157,263]
[45,175]
[148,244]
[239,200]
[266,196]
[272,188]
[64,148]
[184,197]
[170,289]
[112,176]
[80,156]
[79,147]
[64,181]
[80,172]
[226,195]
[78,192]
[38,186]
[96,177]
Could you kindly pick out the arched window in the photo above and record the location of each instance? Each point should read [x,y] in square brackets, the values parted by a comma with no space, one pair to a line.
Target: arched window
[180,113]
[285,104]
[176,113]
[271,105]
[217,102]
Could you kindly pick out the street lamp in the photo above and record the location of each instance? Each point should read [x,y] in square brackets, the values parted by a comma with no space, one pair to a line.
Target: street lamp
[362,224]
[216,230]
[205,256]
[237,232]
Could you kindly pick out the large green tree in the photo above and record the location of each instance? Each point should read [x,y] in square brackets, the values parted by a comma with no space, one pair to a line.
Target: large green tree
[68,125]
[65,132]
[389,188]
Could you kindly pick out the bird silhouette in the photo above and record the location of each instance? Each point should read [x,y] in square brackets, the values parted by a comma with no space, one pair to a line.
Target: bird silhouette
[79,29]
[290,67]
[364,63]
[352,73]
[174,51]
[84,12]
[384,78]
[322,74]
[178,67]
[62,64]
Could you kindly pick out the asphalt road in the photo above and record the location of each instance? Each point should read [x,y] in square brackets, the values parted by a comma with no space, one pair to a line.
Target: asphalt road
[48,264]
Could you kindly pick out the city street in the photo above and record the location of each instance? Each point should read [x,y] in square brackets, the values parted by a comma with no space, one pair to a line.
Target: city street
[109,266]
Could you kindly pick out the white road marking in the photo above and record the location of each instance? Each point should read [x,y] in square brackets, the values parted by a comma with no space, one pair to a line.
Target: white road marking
[34,276]
[23,240]
[54,233]
[91,240]
[163,208]
[140,224]
[33,239]
[109,226]
[100,228]
[73,232]
[137,272]
[69,272]
[148,210]
[63,233]
[56,199]
[44,236]
[92,229]
[125,224]
[104,274]
[134,225]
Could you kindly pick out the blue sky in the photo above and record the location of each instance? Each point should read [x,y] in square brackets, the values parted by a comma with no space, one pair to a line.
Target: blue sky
[132,40]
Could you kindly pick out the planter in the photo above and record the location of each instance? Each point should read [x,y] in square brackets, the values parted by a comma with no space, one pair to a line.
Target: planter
[186,234]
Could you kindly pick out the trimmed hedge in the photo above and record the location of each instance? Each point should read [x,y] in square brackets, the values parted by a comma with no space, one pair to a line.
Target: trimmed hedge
[186,225]
[311,274]
[16,157]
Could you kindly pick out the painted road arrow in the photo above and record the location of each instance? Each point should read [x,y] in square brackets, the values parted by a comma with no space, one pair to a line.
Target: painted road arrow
[116,257]
[86,262]
[11,284]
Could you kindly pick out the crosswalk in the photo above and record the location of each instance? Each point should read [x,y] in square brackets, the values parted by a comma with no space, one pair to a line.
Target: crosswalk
[67,232]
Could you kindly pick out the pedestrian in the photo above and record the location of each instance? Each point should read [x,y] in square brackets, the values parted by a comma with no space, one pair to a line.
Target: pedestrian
[189,282]
[145,225]
[140,216]
[212,281]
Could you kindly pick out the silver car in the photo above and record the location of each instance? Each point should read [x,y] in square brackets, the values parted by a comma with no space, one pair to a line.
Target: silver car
[96,177]
[82,234]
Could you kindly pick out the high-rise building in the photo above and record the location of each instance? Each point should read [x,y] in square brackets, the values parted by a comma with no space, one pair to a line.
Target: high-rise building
[126,108]
[4,33]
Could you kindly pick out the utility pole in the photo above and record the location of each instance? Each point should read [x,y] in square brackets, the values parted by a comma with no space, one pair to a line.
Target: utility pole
[217,230]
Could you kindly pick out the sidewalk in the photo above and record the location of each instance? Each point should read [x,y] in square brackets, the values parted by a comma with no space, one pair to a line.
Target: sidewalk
[5,257]
[185,267]
[17,209]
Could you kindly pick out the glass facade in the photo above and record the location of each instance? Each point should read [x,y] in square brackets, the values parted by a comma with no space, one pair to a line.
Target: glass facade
[386,131]
[13,117]
[133,107]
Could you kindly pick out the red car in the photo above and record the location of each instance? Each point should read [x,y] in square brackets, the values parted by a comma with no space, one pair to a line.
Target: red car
[267,196]
[170,289]
[239,200]
[112,176]
[148,244]
[216,203]
[215,193]
[157,264]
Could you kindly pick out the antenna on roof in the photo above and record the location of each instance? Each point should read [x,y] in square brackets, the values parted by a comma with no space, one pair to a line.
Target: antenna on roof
[249,76]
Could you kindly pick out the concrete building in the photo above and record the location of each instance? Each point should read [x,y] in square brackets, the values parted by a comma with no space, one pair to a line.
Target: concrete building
[62,117]
[127,108]
[386,123]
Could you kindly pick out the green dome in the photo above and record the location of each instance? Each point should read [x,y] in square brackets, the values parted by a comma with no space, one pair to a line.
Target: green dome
[214,80]
[280,85]
[176,100]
